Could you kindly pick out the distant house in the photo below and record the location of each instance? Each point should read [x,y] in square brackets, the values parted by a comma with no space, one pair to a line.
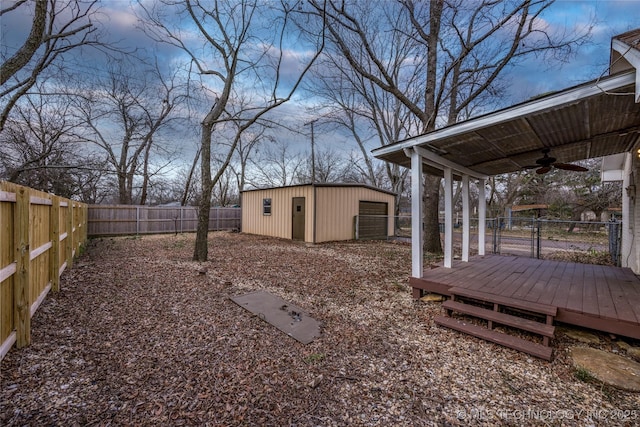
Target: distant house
[317,213]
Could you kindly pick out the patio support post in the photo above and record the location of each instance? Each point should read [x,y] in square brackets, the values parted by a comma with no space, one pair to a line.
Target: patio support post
[466,228]
[482,216]
[416,215]
[448,217]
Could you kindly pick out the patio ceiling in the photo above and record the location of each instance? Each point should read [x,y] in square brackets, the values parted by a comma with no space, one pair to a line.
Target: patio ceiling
[594,119]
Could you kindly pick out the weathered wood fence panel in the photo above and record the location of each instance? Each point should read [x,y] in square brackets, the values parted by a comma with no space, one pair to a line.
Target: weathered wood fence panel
[113,220]
[40,233]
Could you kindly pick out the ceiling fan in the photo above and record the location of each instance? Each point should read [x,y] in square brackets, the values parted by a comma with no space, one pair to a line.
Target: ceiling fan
[546,163]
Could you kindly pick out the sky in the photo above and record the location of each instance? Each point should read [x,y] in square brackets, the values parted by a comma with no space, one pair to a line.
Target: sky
[528,79]
[612,17]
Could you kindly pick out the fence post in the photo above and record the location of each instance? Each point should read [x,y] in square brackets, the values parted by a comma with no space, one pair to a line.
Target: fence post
[23,262]
[538,238]
[494,234]
[54,256]
[69,227]
[85,224]
[614,241]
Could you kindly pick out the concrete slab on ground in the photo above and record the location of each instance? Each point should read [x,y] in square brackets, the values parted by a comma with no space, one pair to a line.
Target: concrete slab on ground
[288,318]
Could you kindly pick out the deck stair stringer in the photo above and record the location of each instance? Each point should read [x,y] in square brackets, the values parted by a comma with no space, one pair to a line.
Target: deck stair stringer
[495,309]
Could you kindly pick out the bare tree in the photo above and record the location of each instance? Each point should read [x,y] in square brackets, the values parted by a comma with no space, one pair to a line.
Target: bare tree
[122,115]
[245,148]
[225,193]
[245,44]
[329,167]
[58,26]
[453,56]
[187,193]
[372,116]
[40,147]
[276,166]
[506,189]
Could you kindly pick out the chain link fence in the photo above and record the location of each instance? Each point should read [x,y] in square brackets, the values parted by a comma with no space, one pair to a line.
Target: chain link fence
[581,241]
[578,241]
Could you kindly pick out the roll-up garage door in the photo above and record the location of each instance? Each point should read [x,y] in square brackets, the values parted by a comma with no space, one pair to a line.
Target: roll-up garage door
[372,220]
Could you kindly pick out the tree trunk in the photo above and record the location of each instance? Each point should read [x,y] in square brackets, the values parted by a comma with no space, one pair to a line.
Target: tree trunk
[187,186]
[122,189]
[432,243]
[31,45]
[145,175]
[201,251]
[431,196]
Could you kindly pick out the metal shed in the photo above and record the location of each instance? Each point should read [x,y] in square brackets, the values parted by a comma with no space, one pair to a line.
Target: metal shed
[316,213]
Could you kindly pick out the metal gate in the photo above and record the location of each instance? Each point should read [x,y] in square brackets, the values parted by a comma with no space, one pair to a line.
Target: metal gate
[549,239]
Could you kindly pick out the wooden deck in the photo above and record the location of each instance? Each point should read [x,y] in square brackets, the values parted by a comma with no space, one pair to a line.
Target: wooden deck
[592,296]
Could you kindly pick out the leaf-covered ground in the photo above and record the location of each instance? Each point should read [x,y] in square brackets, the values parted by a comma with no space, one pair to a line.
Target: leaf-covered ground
[139,336]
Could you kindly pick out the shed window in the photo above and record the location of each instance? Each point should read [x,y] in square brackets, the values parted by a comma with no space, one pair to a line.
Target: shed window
[266,206]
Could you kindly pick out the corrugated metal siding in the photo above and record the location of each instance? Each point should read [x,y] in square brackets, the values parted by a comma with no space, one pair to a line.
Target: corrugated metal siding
[337,208]
[278,224]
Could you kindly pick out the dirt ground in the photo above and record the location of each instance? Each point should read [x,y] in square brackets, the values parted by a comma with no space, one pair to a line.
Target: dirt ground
[137,336]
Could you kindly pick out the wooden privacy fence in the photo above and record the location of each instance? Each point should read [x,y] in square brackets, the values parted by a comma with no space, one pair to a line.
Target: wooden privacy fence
[113,220]
[40,233]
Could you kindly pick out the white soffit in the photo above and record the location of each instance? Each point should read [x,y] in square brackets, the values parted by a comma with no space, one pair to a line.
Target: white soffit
[612,168]
[632,56]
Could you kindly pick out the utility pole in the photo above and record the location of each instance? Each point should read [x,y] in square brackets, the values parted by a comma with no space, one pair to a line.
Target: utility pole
[313,154]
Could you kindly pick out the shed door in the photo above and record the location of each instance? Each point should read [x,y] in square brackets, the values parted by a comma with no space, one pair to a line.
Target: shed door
[372,220]
[297,231]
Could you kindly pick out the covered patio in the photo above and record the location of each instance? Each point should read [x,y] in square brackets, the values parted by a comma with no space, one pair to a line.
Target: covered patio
[596,119]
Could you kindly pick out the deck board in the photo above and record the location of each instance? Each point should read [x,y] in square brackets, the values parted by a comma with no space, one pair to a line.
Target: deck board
[550,276]
[625,295]
[621,299]
[598,297]
[504,277]
[528,280]
[590,302]
[606,307]
[554,288]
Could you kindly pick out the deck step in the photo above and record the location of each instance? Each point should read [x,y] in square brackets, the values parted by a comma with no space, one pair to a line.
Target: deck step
[504,301]
[502,318]
[510,341]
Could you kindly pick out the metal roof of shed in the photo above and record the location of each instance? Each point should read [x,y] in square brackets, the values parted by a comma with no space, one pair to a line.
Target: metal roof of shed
[324,185]
[594,119]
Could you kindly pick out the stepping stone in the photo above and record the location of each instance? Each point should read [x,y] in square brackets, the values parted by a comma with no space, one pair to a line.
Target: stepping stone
[609,368]
[634,352]
[580,335]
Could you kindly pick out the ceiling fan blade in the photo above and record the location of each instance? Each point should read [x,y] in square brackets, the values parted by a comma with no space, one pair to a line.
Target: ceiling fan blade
[570,167]
[530,167]
[543,170]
